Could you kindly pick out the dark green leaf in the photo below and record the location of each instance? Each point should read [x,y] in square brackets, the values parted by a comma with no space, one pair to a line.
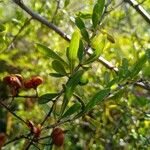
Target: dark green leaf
[81,51]
[66,3]
[80,24]
[58,67]
[148,54]
[97,12]
[57,75]
[46,98]
[73,109]
[2,28]
[98,97]
[70,87]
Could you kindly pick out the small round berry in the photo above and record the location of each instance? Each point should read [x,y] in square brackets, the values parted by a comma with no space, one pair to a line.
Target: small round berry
[37,81]
[58,137]
[2,139]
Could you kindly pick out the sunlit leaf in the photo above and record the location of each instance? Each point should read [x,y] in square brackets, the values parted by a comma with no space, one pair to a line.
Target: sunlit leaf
[73,48]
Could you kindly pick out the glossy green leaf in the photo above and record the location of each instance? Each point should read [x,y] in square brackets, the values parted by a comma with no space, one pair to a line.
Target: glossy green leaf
[73,48]
[70,87]
[58,67]
[46,98]
[97,12]
[98,97]
[73,109]
[98,45]
[49,53]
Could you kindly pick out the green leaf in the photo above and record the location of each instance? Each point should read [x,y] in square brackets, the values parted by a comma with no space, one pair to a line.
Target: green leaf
[85,15]
[148,54]
[2,28]
[80,24]
[49,53]
[58,67]
[97,12]
[46,98]
[70,87]
[56,75]
[66,3]
[98,97]
[81,51]
[73,48]
[98,45]
[137,67]
[73,109]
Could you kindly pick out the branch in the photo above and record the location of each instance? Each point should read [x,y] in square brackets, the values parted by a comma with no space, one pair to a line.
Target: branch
[2,104]
[139,9]
[41,19]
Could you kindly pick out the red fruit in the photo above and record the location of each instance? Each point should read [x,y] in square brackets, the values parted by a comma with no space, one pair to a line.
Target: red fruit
[58,136]
[28,84]
[33,82]
[12,81]
[2,139]
[37,81]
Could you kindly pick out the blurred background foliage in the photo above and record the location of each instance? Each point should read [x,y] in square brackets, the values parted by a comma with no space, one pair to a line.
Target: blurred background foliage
[120,122]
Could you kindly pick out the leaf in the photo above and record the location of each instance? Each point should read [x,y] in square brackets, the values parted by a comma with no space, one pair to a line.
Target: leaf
[46,98]
[81,51]
[137,67]
[98,97]
[57,75]
[49,53]
[2,28]
[97,12]
[98,44]
[148,54]
[110,38]
[66,3]
[73,109]
[58,67]
[80,24]
[70,87]
[73,48]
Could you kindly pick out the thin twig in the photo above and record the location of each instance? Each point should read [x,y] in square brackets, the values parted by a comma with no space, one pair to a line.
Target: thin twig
[49,113]
[1,103]
[56,10]
[139,9]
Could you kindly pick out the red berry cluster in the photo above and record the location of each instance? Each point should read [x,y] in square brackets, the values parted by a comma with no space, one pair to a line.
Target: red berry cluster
[17,82]
[2,139]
